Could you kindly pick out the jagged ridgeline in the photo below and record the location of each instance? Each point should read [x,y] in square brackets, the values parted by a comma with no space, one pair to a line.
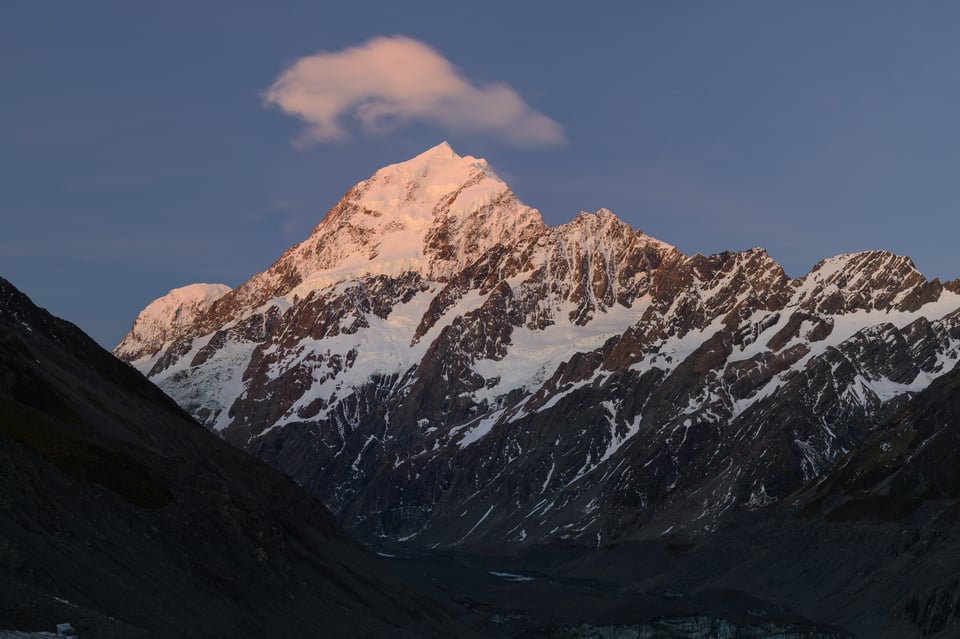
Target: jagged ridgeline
[440,366]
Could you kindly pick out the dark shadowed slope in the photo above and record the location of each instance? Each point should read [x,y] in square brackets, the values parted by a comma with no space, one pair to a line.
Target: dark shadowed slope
[120,514]
[901,492]
[873,547]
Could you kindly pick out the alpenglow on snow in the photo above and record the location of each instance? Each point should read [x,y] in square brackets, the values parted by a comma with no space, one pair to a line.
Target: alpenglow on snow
[440,366]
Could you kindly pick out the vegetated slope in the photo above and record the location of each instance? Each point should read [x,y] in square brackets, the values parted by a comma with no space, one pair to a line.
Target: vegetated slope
[122,515]
[441,367]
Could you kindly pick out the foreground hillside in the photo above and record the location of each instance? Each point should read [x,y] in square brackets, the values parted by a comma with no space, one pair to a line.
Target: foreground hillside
[121,515]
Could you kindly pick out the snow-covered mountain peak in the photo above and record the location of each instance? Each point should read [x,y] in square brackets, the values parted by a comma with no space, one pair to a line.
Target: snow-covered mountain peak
[167,317]
[864,263]
[413,192]
[434,349]
[603,226]
[432,214]
[868,279]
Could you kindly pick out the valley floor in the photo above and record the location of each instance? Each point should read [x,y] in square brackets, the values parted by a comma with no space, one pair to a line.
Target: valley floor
[762,575]
[577,592]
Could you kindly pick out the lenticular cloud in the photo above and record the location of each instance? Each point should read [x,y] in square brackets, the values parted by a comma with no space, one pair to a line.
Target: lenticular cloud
[388,82]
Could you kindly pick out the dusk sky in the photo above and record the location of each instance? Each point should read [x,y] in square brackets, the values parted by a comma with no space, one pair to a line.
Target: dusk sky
[145,146]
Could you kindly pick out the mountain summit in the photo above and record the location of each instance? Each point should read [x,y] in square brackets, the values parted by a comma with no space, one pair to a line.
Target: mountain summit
[439,366]
[430,215]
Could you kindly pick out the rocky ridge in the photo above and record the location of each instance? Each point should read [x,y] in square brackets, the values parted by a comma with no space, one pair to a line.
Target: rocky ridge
[439,366]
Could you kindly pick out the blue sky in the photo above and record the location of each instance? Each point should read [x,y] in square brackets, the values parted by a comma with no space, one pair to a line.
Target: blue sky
[137,153]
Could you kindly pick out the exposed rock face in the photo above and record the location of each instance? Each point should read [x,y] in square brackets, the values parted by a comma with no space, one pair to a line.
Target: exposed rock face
[440,366]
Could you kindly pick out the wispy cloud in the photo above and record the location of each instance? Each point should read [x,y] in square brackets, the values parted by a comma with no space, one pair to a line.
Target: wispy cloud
[388,82]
